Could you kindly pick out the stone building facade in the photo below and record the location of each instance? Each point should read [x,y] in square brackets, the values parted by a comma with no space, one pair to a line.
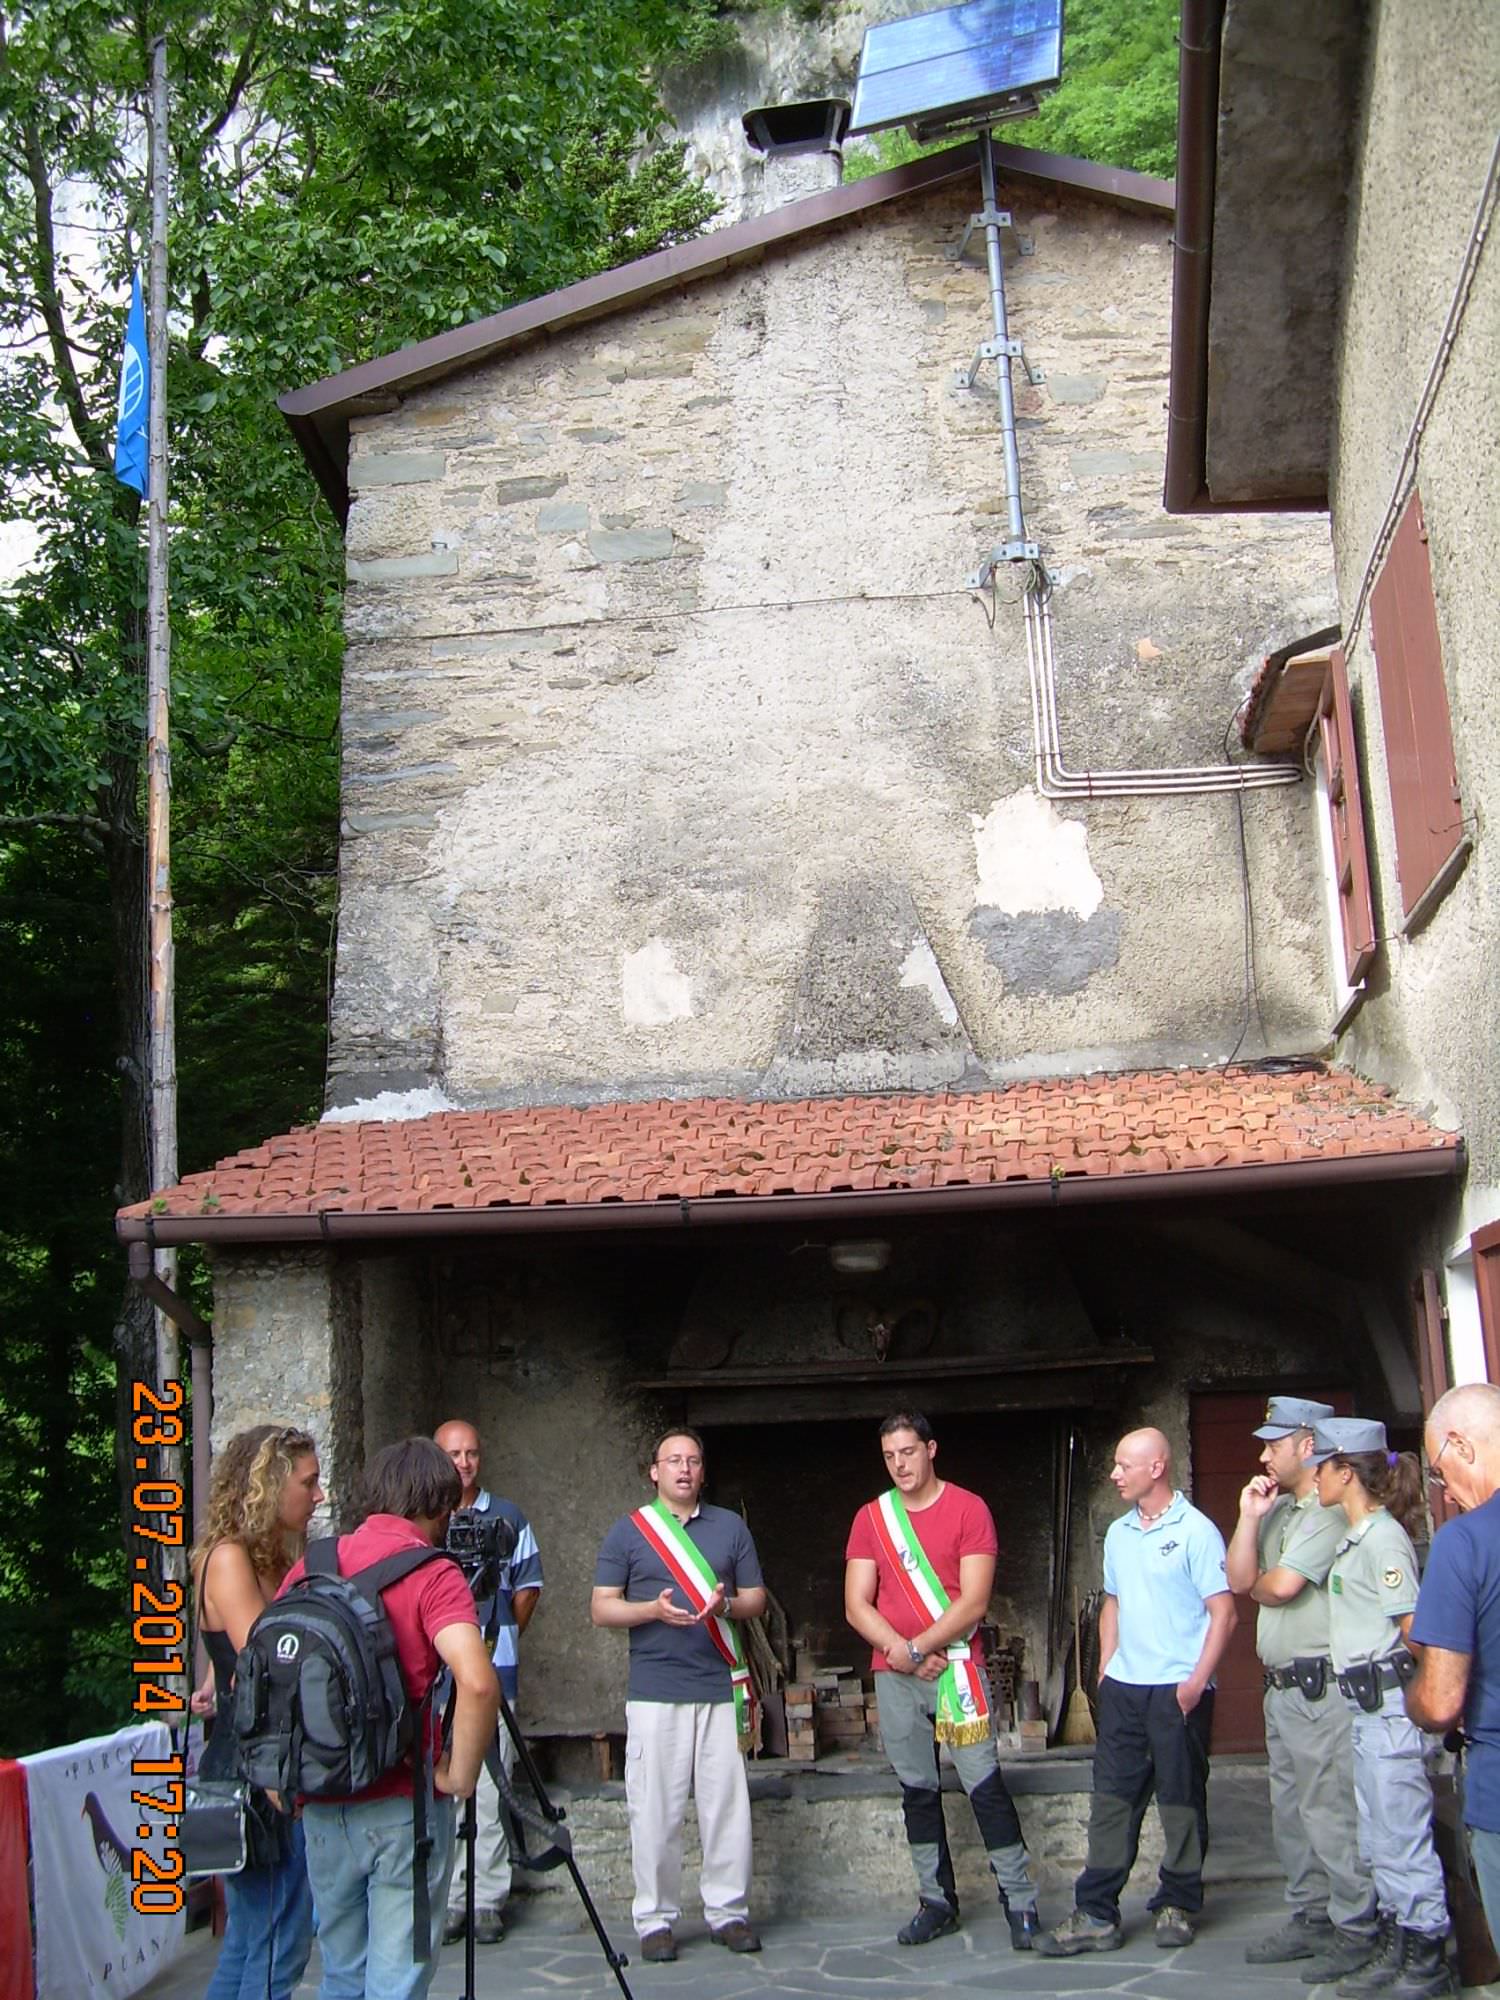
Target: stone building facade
[692,786]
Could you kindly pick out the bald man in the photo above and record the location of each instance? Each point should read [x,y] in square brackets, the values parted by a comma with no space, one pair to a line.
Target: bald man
[511,1609]
[1166,1618]
[1457,1620]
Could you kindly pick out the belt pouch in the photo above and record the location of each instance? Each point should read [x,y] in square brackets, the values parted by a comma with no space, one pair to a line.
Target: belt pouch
[1312,1677]
[1364,1685]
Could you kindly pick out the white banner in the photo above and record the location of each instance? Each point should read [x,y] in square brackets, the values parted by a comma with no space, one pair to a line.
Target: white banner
[89,1940]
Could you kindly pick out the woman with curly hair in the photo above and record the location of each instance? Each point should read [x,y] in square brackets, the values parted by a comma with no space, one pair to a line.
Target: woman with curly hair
[265,1488]
[1372,1592]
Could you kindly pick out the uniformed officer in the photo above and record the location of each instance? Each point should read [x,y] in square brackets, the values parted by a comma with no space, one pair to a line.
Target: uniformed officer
[1372,1592]
[1280,1554]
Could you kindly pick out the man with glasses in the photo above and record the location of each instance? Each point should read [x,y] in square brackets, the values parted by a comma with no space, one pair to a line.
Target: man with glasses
[679,1576]
[1455,1630]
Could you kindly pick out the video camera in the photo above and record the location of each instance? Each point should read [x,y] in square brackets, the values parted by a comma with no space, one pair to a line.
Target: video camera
[481,1545]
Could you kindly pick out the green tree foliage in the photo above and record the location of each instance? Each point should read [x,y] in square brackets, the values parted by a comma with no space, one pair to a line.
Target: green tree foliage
[1117,103]
[346,178]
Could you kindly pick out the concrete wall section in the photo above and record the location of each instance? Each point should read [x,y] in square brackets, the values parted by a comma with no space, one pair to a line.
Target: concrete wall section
[677,756]
[1421,166]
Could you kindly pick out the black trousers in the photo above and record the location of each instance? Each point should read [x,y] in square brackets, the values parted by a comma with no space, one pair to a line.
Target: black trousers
[1147,1748]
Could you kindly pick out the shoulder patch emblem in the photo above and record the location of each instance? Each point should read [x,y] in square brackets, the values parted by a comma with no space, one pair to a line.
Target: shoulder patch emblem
[1393,1579]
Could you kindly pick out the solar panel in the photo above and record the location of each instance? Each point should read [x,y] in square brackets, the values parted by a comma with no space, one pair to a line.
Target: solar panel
[967,65]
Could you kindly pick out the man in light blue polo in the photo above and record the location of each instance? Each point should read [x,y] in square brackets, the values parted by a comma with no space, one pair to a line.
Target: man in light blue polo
[1167,1616]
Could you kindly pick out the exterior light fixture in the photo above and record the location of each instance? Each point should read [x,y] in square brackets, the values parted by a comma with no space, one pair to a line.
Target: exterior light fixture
[859,1259]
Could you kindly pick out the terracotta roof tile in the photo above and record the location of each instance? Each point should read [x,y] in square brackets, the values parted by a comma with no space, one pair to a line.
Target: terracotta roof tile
[1147,1122]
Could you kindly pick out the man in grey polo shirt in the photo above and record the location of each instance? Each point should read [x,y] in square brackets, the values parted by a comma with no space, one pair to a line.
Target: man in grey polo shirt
[670,1574]
[1167,1616]
[1280,1554]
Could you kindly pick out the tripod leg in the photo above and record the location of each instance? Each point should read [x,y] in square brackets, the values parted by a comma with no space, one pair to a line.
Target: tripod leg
[470,1835]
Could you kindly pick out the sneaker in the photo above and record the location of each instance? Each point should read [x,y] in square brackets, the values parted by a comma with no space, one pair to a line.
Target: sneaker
[454,1927]
[1025,1928]
[933,1920]
[1080,1932]
[1301,1936]
[489,1927]
[1174,1928]
[737,1935]
[659,1947]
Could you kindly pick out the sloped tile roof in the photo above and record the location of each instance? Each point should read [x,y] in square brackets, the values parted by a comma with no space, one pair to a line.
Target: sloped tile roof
[672,1150]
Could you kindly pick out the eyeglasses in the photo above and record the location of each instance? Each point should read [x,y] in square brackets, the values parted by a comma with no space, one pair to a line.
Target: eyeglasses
[692,1464]
[1435,1477]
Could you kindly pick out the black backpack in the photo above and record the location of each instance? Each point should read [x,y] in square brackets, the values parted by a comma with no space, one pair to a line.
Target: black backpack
[320,1708]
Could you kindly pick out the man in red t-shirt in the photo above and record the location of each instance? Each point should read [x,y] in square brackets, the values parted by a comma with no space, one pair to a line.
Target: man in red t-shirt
[360,1851]
[920,1564]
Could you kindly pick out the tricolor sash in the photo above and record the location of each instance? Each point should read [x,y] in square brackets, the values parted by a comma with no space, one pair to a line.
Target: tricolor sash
[963,1705]
[694,1577]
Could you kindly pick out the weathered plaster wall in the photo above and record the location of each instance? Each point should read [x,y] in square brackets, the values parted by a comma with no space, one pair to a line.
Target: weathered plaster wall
[677,757]
[1421,162]
[287,1349]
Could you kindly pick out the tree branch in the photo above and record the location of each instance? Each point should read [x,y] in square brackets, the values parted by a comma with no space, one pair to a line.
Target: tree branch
[242,73]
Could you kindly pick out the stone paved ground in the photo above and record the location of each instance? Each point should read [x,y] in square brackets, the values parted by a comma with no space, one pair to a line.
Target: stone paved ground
[548,1953]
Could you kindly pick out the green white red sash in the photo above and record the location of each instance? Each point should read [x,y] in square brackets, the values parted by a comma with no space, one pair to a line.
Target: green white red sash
[694,1577]
[963,1704]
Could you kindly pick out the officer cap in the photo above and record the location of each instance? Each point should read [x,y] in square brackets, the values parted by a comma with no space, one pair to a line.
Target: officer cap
[1285,1414]
[1343,1435]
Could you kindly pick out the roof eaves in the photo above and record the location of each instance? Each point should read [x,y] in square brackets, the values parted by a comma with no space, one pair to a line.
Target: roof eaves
[333,1226]
[319,413]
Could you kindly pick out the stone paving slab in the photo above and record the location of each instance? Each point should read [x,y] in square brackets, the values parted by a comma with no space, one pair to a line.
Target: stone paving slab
[550,1953]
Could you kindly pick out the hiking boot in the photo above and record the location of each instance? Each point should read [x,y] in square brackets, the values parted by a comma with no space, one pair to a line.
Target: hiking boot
[1424,1968]
[659,1947]
[1080,1932]
[1381,1969]
[1174,1928]
[1301,1937]
[933,1920]
[1025,1927]
[489,1927]
[737,1935]
[454,1926]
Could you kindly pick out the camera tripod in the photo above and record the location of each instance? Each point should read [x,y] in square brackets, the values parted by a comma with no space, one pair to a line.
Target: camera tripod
[546,1818]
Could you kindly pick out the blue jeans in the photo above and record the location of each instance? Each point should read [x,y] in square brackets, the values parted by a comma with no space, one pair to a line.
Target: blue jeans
[360,1859]
[1484,1852]
[270,1925]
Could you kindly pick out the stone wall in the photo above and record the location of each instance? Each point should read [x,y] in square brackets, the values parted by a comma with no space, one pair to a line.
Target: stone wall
[1421,161]
[678,759]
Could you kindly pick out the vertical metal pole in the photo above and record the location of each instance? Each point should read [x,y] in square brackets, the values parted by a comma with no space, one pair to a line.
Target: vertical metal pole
[160,971]
[1015,524]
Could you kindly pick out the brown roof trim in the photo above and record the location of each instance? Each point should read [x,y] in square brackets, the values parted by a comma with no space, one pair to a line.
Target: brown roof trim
[335,1226]
[1185,490]
[319,414]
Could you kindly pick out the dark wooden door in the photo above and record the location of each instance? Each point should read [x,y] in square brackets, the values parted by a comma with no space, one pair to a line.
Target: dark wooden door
[1225,1454]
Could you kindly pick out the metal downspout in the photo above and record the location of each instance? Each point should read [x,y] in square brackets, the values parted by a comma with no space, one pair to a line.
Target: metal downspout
[1186,486]
[1015,549]
[142,1264]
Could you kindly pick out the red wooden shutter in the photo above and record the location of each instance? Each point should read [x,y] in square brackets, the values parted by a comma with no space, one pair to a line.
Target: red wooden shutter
[1351,861]
[1485,1245]
[1414,711]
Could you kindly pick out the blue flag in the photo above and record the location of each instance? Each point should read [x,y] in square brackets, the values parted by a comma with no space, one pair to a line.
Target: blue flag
[135,397]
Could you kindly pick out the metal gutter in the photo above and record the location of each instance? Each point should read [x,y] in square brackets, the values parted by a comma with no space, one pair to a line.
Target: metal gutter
[334,1226]
[318,415]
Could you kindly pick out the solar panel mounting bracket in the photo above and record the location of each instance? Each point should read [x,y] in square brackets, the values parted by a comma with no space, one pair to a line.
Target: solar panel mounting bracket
[1000,218]
[993,350]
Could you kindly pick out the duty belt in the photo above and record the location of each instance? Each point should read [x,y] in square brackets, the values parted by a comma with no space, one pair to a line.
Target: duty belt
[1311,1675]
[1367,1682]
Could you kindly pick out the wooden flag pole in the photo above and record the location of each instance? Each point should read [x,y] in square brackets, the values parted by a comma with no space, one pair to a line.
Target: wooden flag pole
[160,974]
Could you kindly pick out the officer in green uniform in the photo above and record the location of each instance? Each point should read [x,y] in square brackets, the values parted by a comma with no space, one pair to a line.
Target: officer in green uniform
[1372,1592]
[1280,1555]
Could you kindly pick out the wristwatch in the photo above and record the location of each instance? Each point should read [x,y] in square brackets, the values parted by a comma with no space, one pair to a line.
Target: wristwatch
[915,1652]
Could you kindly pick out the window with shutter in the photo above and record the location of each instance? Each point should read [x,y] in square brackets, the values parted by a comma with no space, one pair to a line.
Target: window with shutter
[1425,803]
[1351,865]
[1485,1245]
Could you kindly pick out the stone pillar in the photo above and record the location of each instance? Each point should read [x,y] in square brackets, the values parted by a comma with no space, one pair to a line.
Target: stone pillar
[288,1349]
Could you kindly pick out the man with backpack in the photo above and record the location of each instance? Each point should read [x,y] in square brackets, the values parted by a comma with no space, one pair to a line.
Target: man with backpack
[379,1857]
